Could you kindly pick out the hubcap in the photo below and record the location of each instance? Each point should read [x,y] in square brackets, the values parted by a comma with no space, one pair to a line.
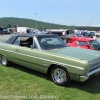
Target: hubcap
[4,60]
[59,75]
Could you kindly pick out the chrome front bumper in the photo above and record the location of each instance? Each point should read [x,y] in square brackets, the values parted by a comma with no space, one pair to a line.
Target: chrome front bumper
[84,78]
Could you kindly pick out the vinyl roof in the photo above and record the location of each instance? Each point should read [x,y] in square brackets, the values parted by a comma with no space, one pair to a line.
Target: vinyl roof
[13,37]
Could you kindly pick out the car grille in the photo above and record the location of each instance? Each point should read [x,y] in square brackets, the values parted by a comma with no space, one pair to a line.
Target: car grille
[94,64]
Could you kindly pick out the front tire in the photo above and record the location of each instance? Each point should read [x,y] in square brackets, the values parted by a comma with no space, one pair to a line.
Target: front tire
[97,36]
[60,76]
[4,61]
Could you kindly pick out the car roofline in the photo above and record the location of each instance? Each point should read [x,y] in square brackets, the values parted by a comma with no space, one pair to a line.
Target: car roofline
[13,37]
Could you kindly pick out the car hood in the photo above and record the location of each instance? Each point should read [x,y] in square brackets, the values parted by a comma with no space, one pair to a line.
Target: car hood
[97,47]
[79,53]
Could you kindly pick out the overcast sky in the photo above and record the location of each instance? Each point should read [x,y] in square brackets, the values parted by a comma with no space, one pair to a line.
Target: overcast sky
[64,12]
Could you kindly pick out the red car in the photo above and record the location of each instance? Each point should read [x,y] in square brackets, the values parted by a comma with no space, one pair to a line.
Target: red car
[83,42]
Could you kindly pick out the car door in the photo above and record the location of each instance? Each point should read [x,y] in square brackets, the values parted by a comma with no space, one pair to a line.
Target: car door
[24,54]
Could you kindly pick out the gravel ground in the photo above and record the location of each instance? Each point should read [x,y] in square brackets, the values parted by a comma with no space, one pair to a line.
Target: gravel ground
[4,37]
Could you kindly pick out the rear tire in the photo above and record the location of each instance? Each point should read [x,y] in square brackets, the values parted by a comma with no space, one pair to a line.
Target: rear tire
[97,36]
[4,61]
[60,76]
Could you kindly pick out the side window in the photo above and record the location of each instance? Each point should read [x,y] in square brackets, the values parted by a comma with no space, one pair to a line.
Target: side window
[26,41]
[17,41]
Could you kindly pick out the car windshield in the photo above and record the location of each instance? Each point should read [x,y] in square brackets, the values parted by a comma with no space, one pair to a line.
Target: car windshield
[50,42]
[94,42]
[82,43]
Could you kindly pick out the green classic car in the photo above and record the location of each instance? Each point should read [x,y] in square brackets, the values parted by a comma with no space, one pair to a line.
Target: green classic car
[48,53]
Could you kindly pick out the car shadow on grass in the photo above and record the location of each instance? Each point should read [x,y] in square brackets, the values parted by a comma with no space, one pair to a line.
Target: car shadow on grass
[92,85]
[30,71]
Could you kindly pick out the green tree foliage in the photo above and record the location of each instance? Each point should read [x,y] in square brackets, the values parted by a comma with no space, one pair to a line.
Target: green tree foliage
[12,22]
[9,26]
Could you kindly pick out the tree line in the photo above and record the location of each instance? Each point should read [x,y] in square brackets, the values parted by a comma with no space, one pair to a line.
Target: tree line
[12,22]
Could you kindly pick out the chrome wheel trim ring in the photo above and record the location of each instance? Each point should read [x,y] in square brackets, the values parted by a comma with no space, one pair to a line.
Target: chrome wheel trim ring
[4,60]
[59,75]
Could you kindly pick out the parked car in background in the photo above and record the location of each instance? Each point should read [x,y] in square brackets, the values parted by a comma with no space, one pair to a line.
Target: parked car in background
[97,34]
[89,34]
[75,35]
[66,38]
[49,54]
[83,42]
[4,30]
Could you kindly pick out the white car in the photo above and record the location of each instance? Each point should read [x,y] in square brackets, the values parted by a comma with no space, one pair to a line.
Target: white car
[97,34]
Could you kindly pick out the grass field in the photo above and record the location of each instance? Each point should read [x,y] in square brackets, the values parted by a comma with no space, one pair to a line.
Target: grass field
[20,83]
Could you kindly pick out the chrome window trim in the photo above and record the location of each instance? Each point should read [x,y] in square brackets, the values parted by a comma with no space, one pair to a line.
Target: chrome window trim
[37,43]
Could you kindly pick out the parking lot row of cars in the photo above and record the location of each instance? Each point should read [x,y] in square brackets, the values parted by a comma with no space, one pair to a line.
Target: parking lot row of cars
[87,40]
[82,42]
